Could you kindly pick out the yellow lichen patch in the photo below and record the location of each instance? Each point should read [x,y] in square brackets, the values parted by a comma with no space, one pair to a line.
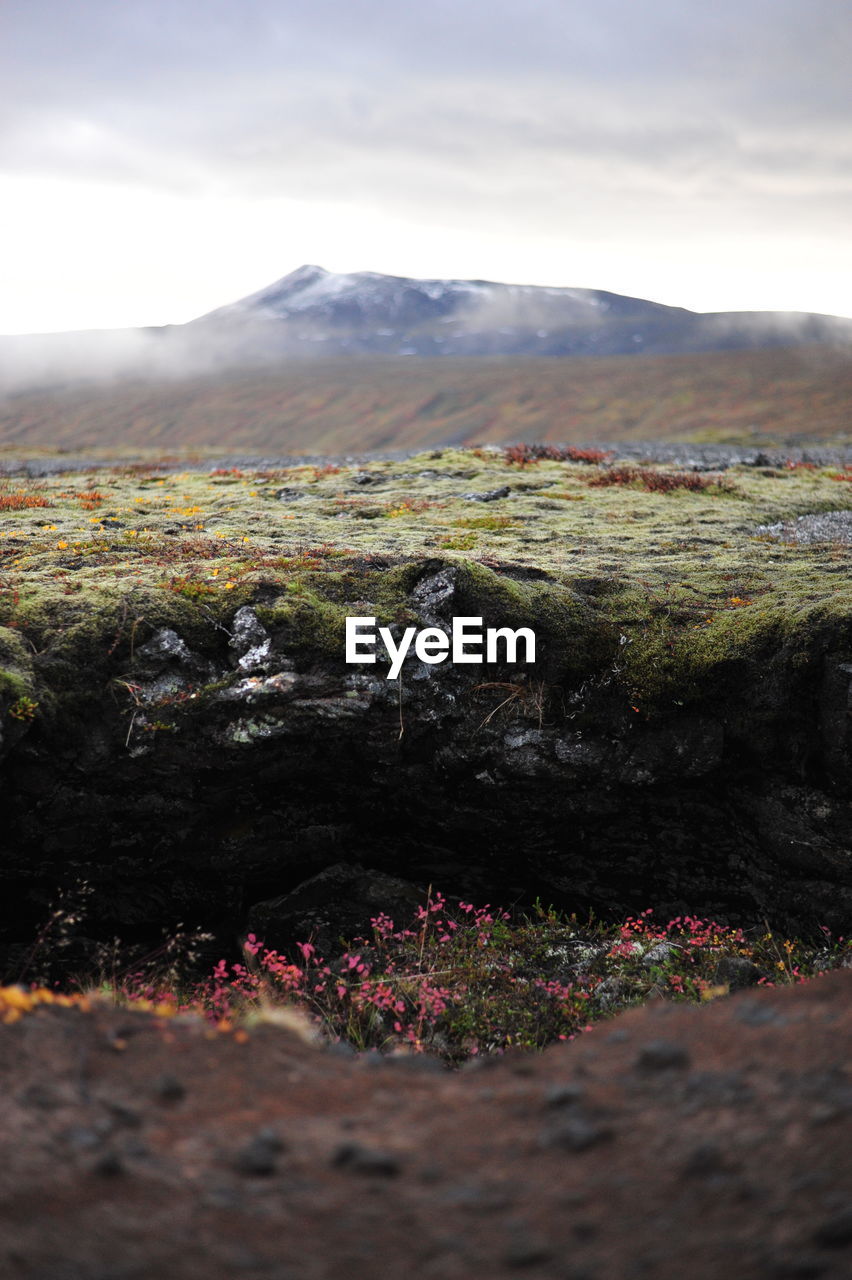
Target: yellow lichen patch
[16,1001]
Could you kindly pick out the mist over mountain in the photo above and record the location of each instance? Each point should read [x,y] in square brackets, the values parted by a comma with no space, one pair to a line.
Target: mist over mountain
[316,313]
[395,315]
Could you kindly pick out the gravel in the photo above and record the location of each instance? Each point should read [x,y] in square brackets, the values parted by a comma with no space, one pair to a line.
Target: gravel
[823,526]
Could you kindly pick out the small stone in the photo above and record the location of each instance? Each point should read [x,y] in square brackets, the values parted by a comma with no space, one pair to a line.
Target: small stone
[249,643]
[704,1161]
[124,1115]
[366,1160]
[492,495]
[165,643]
[474,1197]
[662,1055]
[259,1156]
[577,1134]
[658,954]
[737,972]
[610,993]
[109,1165]
[564,1095]
[433,596]
[167,1088]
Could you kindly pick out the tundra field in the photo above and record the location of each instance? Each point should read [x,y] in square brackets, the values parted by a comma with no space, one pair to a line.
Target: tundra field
[797,395]
[713,557]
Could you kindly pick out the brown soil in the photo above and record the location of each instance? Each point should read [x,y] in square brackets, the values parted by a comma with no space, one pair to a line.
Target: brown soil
[672,1142]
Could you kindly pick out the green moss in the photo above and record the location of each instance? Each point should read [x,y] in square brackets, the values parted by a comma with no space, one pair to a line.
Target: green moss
[16,673]
[727,657]
[491,523]
[14,653]
[305,624]
[573,639]
[458,542]
[674,594]
[13,687]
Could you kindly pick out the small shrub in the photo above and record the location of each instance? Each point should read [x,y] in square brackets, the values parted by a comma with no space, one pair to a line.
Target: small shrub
[659,481]
[21,501]
[456,982]
[522,455]
[90,499]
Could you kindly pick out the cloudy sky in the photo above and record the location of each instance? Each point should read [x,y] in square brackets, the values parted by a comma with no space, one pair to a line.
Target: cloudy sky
[159,158]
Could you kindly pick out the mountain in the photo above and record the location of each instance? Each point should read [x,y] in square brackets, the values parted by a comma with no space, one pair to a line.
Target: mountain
[313,312]
[365,312]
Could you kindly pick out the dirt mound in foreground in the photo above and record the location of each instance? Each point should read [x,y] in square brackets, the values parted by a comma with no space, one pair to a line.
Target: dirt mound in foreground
[671,1142]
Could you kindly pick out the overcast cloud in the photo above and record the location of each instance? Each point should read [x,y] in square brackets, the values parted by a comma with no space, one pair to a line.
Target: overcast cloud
[696,154]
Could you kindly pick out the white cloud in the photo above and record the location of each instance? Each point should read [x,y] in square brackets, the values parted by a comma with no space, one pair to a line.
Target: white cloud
[158,159]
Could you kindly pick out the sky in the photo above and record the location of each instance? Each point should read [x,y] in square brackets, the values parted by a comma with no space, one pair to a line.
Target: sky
[162,158]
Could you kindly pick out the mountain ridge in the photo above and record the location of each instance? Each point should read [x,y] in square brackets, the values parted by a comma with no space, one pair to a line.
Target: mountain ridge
[439,317]
[313,312]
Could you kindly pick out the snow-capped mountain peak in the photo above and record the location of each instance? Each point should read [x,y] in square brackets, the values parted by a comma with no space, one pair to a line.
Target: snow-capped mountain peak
[310,287]
[315,311]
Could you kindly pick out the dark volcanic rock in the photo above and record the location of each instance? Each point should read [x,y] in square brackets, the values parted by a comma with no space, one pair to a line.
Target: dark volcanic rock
[491,495]
[737,972]
[246,759]
[341,900]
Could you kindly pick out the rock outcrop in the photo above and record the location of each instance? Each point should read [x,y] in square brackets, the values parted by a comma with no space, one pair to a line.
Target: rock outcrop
[215,765]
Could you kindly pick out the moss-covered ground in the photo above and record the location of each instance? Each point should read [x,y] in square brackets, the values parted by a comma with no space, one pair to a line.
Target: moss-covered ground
[100,559]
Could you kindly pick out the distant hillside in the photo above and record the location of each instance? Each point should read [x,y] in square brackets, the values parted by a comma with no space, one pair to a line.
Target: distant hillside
[340,406]
[316,314]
